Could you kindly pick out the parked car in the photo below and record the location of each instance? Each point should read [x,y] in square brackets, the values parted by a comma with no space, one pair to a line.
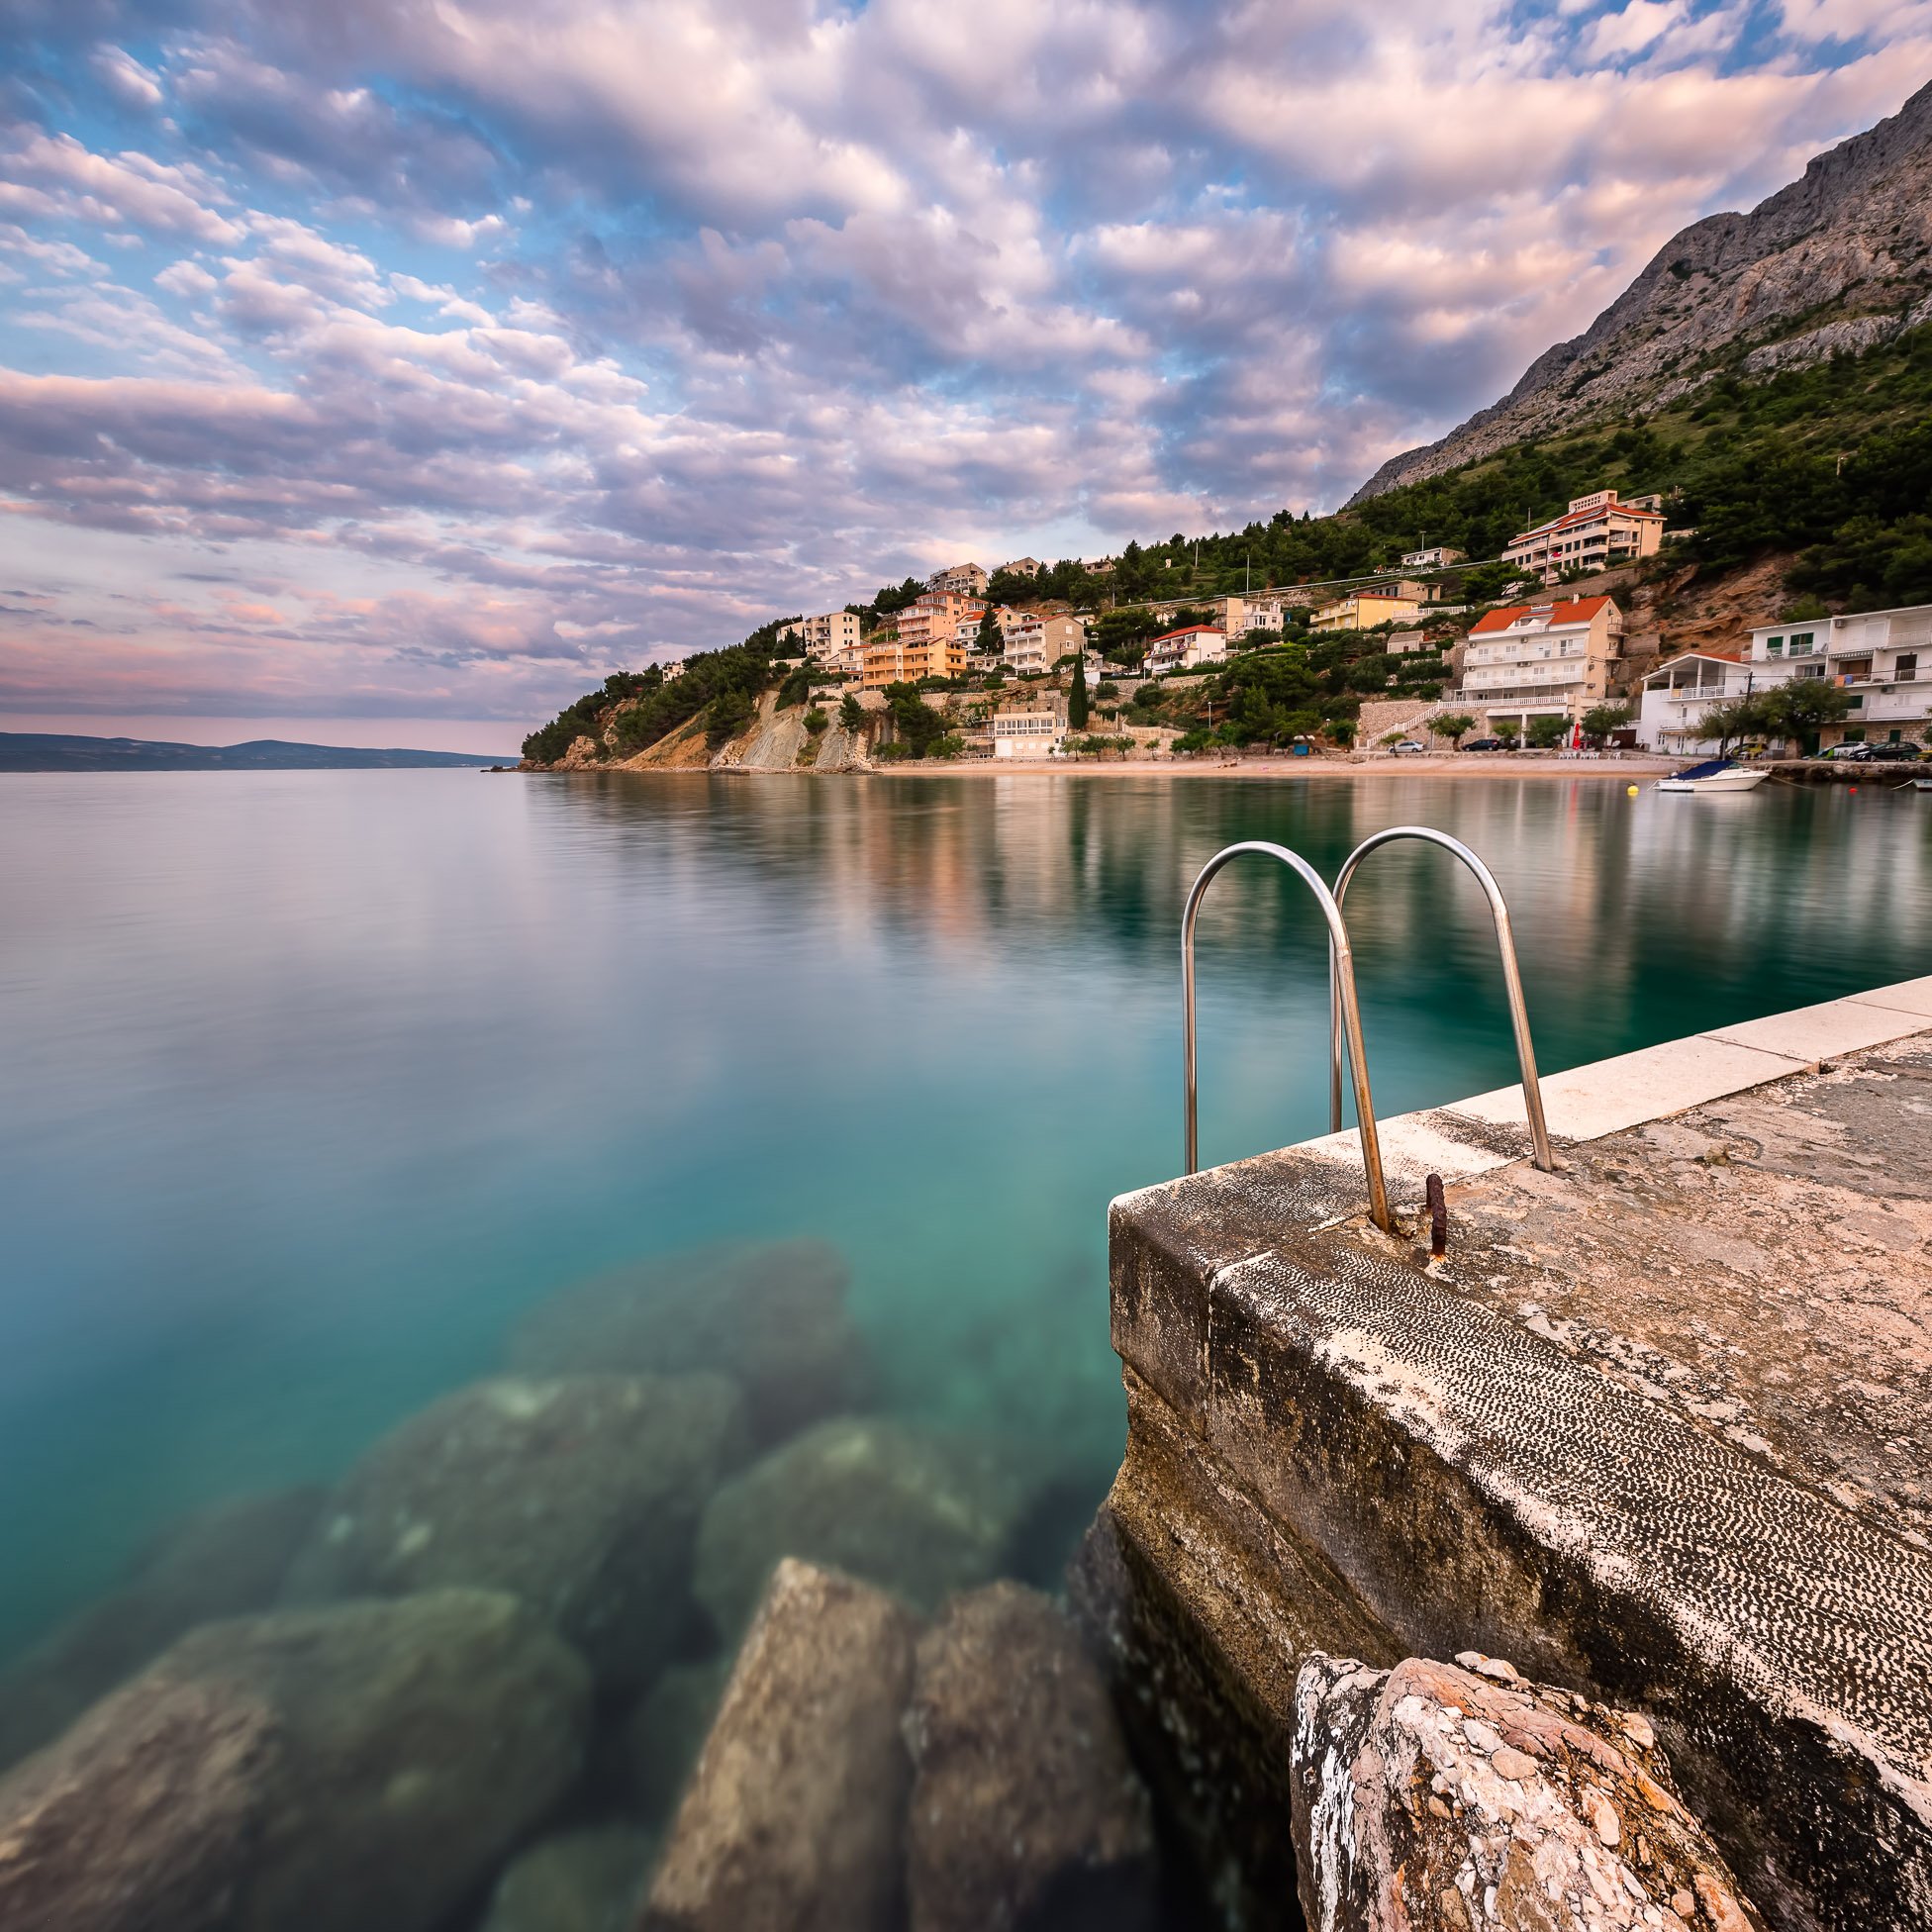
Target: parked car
[1884,754]
[1849,753]
[1484,744]
[1408,744]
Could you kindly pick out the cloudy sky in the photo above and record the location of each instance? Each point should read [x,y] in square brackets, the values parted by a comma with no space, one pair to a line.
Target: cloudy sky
[391,369]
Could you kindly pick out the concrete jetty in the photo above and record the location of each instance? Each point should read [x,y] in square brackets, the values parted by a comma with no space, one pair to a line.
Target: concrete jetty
[1656,1427]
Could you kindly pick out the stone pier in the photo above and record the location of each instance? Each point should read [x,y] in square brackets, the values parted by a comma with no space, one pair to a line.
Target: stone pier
[1657,1428]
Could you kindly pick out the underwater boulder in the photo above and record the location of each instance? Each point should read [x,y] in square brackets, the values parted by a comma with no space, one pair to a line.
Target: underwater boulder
[919,1514]
[589,1880]
[421,1739]
[580,1495]
[772,1316]
[1027,1814]
[220,1561]
[793,1819]
[659,1742]
[139,1819]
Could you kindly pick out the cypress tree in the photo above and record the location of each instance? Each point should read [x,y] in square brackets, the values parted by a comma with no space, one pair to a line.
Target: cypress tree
[1077,696]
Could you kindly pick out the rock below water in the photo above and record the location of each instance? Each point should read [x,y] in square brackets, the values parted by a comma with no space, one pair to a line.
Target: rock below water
[772,1317]
[1432,1799]
[793,1819]
[920,1514]
[222,1560]
[579,1494]
[1027,1815]
[574,1881]
[357,1769]
[139,1819]
[660,1739]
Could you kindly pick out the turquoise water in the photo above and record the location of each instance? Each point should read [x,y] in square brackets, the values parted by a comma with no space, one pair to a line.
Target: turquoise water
[314,1081]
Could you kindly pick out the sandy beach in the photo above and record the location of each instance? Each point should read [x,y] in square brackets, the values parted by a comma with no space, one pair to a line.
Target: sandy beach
[1473,765]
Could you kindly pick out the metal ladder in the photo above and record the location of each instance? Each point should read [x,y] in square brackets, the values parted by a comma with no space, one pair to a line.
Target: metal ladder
[1344,1015]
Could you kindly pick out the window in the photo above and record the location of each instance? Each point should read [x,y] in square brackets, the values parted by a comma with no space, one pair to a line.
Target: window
[1906,666]
[1801,642]
[1857,703]
[1774,647]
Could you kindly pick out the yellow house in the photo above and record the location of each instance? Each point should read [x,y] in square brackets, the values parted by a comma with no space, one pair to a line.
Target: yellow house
[1363,610]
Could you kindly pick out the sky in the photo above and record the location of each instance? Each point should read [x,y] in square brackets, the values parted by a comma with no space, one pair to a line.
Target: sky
[391,370]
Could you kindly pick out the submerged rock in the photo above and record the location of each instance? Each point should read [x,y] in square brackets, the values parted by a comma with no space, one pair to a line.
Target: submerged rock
[139,1819]
[772,1317]
[663,1737]
[920,1514]
[419,1741]
[221,1561]
[792,1822]
[579,1494]
[574,1881]
[1026,1811]
[1435,1799]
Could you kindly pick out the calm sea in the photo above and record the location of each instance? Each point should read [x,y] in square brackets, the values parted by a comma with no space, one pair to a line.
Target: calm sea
[314,1081]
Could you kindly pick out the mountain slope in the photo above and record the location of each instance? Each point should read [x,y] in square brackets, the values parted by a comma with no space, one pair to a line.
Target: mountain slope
[56,751]
[1841,259]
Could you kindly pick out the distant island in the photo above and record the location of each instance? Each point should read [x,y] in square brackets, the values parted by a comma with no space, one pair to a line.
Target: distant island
[53,752]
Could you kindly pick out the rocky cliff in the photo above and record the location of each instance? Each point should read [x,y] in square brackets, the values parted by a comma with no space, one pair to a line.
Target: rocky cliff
[1839,260]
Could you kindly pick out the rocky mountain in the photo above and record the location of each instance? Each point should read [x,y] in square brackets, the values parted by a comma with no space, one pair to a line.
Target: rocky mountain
[1839,260]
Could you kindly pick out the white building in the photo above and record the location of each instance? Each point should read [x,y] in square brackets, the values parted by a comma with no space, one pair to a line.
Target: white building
[1883,658]
[1185,649]
[1595,533]
[1433,558]
[827,635]
[674,669]
[1677,696]
[1033,733]
[1035,644]
[1539,660]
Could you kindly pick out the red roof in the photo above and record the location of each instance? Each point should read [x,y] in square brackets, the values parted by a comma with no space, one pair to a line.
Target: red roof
[1571,517]
[1723,658]
[1579,610]
[1191,630]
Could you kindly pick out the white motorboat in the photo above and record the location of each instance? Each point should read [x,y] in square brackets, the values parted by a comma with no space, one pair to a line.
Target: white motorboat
[1718,775]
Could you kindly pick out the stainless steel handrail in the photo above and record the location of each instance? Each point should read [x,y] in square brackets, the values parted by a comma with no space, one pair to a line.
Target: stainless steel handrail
[1345,1016]
[1512,984]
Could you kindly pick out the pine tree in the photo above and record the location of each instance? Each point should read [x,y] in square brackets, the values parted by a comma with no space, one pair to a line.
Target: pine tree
[1077,696]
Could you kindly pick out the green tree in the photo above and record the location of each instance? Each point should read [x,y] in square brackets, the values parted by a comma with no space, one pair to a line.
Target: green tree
[1734,720]
[1076,697]
[1601,719]
[913,720]
[990,640]
[1799,710]
[1547,733]
[815,721]
[851,714]
[1454,726]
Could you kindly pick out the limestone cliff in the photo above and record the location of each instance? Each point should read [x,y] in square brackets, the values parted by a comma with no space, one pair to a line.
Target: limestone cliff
[1839,260]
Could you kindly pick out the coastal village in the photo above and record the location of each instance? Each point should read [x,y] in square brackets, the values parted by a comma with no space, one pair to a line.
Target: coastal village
[1544,649]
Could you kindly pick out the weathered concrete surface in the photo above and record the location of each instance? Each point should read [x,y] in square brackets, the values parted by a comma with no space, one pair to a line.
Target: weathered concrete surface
[1435,1799]
[1660,1438]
